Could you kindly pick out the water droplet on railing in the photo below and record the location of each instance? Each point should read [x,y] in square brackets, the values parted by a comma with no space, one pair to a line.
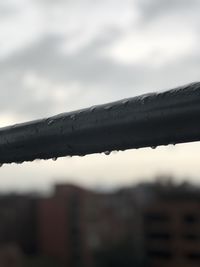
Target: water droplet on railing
[50,122]
[92,109]
[125,102]
[79,112]
[108,107]
[54,159]
[73,117]
[107,153]
[154,147]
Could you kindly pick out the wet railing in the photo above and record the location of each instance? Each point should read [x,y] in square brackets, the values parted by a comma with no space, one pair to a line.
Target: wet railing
[148,120]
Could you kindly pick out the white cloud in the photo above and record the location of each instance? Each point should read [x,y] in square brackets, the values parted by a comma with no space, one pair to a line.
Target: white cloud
[45,90]
[8,119]
[19,28]
[78,21]
[158,44]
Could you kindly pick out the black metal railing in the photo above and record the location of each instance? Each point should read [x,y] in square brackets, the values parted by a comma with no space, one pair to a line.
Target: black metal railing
[149,120]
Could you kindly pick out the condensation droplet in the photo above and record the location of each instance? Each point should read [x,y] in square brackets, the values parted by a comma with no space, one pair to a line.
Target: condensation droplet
[107,153]
[125,102]
[108,107]
[73,117]
[142,100]
[80,112]
[50,122]
[92,109]
[1,165]
[54,159]
[154,147]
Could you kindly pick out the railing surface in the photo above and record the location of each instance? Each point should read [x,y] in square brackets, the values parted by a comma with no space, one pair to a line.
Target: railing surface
[148,120]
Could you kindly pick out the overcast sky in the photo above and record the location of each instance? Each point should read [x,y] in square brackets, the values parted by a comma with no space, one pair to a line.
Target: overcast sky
[62,55]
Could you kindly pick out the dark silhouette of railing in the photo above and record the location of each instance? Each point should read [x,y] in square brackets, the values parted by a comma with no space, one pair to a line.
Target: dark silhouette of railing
[148,120]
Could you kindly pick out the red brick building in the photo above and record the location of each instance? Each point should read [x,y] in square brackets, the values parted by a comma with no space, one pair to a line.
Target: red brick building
[171,226]
[61,226]
[152,225]
[83,228]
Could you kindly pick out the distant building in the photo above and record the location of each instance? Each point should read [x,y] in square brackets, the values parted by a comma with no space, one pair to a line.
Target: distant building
[61,226]
[11,256]
[84,228]
[148,225]
[112,229]
[18,222]
[171,225]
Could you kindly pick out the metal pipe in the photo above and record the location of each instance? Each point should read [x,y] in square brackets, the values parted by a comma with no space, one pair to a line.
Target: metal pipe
[148,120]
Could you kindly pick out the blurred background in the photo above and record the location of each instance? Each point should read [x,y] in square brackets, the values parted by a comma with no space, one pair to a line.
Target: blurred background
[62,55]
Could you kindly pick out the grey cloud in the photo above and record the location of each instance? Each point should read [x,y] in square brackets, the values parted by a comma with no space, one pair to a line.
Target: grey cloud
[87,67]
[154,9]
[6,11]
